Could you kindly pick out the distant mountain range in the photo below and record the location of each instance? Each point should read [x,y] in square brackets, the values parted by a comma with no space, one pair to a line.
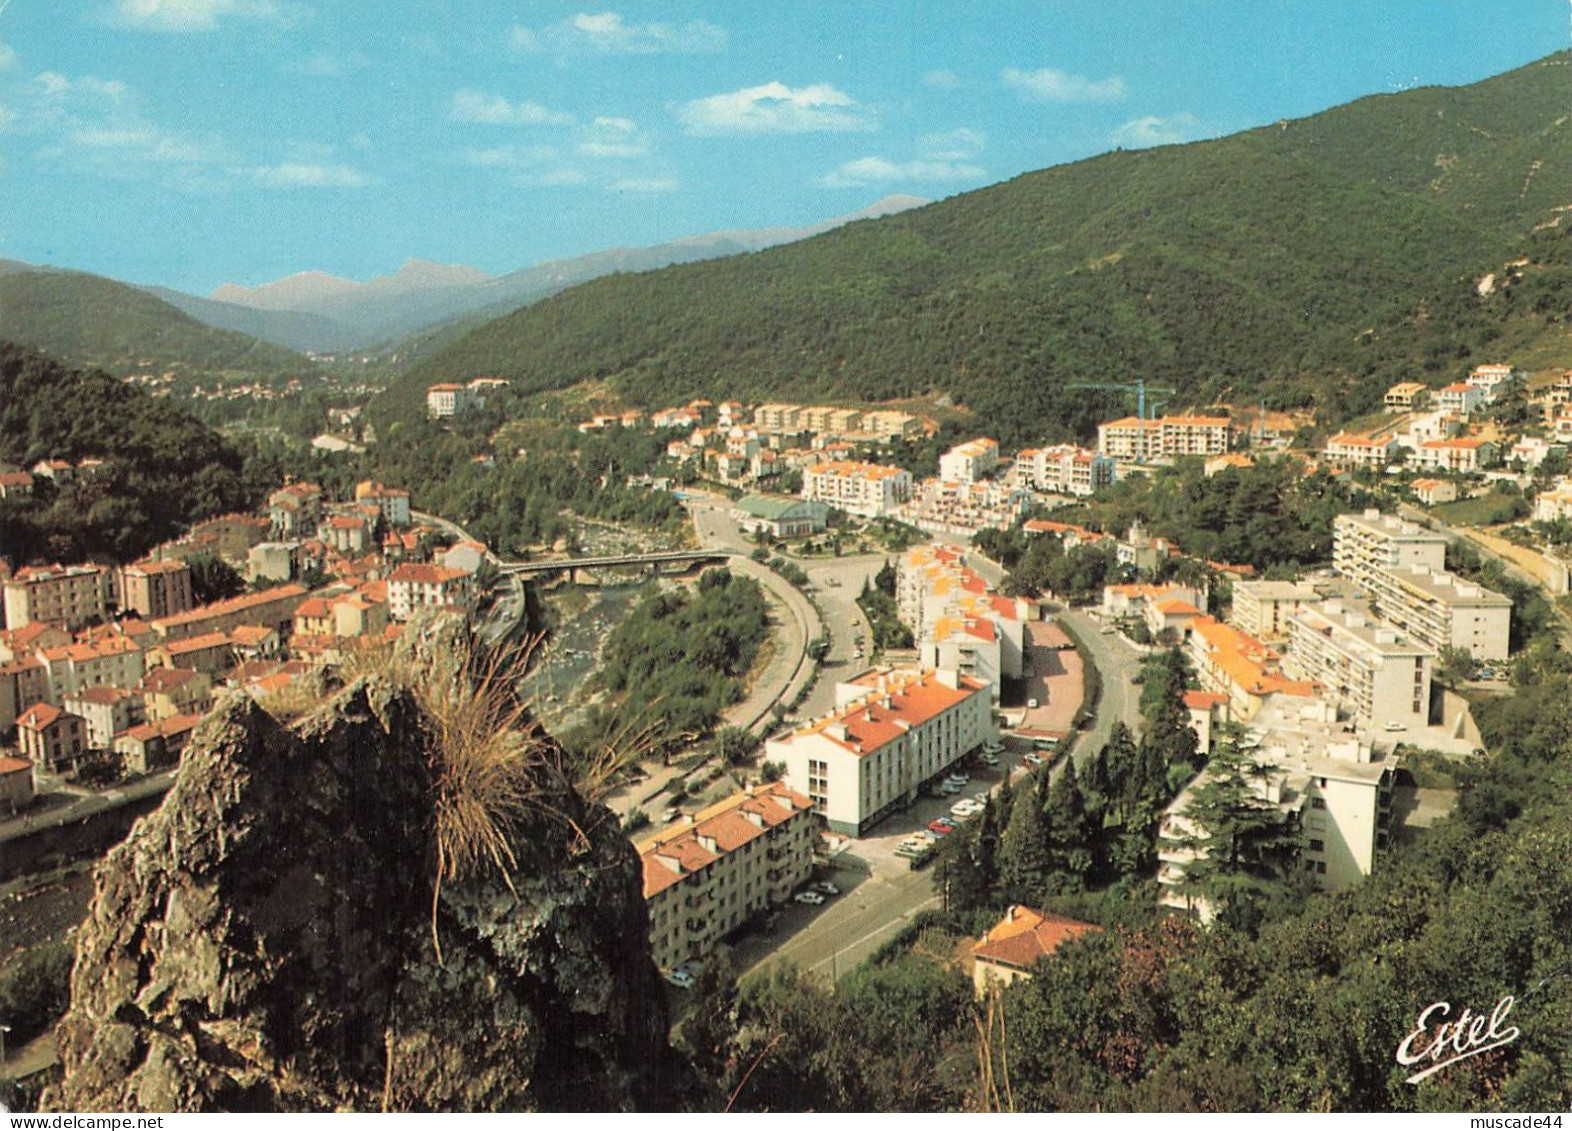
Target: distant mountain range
[1310,261]
[322,313]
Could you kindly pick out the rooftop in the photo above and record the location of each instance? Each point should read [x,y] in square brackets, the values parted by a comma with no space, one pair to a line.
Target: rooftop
[1025,935]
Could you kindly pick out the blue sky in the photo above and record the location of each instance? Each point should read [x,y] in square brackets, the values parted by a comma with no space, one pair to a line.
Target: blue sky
[193,142]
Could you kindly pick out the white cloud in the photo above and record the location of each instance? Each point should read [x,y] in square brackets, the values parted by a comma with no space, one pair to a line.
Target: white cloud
[495,110]
[956,145]
[606,33]
[1049,85]
[295,175]
[881,170]
[58,88]
[942,80]
[1152,130]
[776,108]
[613,138]
[323,65]
[7,56]
[196,15]
[510,156]
[646,186]
[561,177]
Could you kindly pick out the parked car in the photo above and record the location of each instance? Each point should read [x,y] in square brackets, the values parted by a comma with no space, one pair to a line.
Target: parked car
[680,978]
[810,897]
[1032,758]
[1393,725]
[981,796]
[993,746]
[1032,703]
[958,778]
[990,759]
[939,830]
[966,807]
[911,851]
[824,887]
[950,789]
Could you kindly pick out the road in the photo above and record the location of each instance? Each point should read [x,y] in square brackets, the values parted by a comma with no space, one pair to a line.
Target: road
[87,805]
[507,613]
[1117,663]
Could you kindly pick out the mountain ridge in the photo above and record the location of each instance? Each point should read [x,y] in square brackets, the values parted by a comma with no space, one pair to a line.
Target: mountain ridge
[1243,265]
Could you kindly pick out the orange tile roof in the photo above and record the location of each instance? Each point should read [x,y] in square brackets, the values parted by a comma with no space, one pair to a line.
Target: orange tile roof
[196,644]
[913,697]
[153,567]
[726,823]
[424,574]
[1025,935]
[1204,700]
[1246,661]
[10,765]
[239,604]
[39,716]
[1177,608]
[313,608]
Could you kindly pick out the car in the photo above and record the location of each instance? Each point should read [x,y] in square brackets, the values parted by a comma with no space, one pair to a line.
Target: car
[680,978]
[966,807]
[958,778]
[981,796]
[1045,743]
[945,821]
[1106,630]
[993,747]
[1393,725]
[990,759]
[911,851]
[950,789]
[1032,703]
[812,898]
[1033,758]
[670,815]
[940,830]
[824,887]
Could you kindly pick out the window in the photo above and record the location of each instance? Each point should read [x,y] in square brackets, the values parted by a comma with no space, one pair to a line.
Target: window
[1318,846]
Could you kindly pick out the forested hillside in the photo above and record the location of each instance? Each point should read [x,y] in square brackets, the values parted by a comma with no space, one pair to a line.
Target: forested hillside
[89,320]
[161,469]
[1309,261]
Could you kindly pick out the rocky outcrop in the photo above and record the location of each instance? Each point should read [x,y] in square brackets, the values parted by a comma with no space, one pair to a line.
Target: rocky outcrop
[265,940]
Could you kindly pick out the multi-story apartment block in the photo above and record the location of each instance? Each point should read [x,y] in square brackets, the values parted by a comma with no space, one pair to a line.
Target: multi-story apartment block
[156,589]
[890,734]
[941,506]
[450,400]
[69,596]
[295,509]
[392,502]
[709,875]
[1380,673]
[887,424]
[1235,664]
[1460,397]
[416,586]
[778,418]
[1458,454]
[867,489]
[1262,608]
[1349,450]
[1324,784]
[168,692]
[212,652]
[1064,470]
[1442,610]
[106,711]
[971,461]
[1366,544]
[1406,396]
[114,661]
[1166,437]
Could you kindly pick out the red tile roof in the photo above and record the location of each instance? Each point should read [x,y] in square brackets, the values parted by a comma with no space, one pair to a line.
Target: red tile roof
[1024,935]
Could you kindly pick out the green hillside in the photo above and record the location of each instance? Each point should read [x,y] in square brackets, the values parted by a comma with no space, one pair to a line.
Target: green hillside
[162,469]
[90,320]
[1251,265]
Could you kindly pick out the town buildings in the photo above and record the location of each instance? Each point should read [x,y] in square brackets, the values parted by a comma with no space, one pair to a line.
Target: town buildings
[1262,608]
[415,585]
[709,874]
[156,588]
[780,517]
[70,596]
[1064,470]
[867,489]
[1365,544]
[890,734]
[969,462]
[450,399]
[1162,438]
[1406,396]
[1379,673]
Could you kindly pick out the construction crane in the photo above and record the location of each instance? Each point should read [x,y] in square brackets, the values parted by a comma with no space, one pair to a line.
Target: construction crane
[1137,384]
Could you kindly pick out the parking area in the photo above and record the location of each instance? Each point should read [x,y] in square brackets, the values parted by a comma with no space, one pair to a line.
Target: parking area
[1056,681]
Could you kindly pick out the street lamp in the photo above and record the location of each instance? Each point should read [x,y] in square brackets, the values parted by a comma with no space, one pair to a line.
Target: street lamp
[4,1029]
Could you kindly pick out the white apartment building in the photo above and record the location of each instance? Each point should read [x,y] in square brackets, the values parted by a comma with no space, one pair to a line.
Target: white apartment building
[1349,450]
[1552,505]
[1166,437]
[971,461]
[1366,544]
[867,489]
[1323,782]
[1442,610]
[710,874]
[1380,673]
[935,587]
[1490,378]
[449,400]
[1262,608]
[1461,397]
[942,506]
[1064,470]
[115,661]
[1405,396]
[415,585]
[890,734]
[1459,454]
